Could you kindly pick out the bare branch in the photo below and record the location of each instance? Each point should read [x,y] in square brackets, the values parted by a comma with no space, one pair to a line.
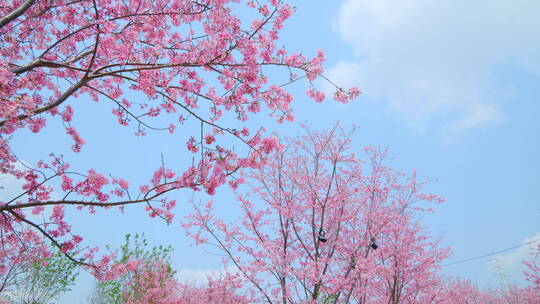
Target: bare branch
[16,13]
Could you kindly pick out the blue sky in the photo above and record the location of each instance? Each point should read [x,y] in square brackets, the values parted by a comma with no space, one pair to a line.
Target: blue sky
[451,87]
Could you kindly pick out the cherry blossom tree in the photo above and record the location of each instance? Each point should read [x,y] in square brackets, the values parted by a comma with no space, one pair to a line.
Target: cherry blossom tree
[222,290]
[143,275]
[155,285]
[134,271]
[44,280]
[14,259]
[192,60]
[532,274]
[512,294]
[410,259]
[320,224]
[456,290]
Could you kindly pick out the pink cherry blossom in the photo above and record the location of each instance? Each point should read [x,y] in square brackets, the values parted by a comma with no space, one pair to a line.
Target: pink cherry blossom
[197,60]
[317,221]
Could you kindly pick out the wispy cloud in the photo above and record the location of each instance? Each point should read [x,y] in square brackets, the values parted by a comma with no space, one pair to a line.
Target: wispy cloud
[10,186]
[437,60]
[510,266]
[200,276]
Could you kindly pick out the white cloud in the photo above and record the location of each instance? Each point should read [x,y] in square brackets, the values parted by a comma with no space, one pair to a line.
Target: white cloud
[511,265]
[432,60]
[10,186]
[200,276]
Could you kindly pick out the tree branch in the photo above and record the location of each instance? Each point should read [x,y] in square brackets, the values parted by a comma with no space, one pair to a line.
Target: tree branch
[16,13]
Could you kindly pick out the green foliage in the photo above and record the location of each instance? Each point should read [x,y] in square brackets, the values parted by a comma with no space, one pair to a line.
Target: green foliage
[43,281]
[109,290]
[329,299]
[135,247]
